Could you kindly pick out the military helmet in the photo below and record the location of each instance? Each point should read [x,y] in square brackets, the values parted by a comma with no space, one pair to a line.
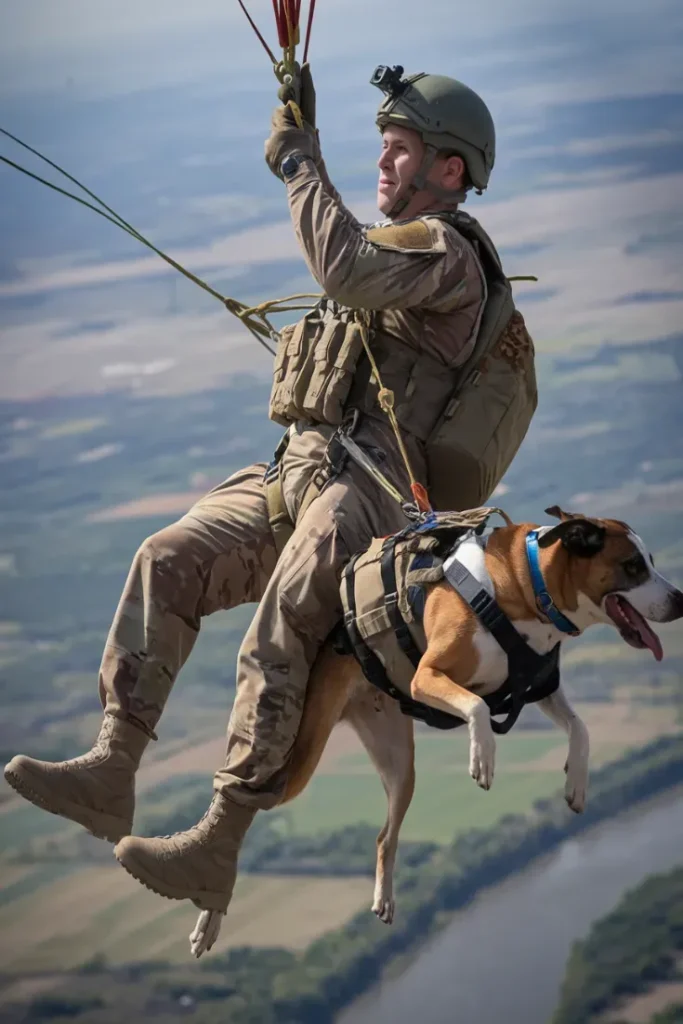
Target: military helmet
[447,114]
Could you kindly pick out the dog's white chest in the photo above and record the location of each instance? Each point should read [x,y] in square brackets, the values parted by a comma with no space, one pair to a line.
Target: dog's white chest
[492,669]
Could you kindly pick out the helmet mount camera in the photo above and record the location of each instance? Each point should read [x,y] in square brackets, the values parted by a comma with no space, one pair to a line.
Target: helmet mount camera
[389,79]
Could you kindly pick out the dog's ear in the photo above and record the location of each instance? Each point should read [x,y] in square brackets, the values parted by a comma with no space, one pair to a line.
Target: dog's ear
[559,513]
[579,537]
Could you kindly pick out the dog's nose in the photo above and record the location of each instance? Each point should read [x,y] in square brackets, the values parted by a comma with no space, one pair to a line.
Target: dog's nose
[675,610]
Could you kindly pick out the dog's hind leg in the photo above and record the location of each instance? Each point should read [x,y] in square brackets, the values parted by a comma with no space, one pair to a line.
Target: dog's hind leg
[387,735]
[330,684]
[331,681]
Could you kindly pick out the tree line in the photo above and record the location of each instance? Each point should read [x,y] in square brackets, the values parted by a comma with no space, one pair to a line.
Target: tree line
[260,986]
[636,946]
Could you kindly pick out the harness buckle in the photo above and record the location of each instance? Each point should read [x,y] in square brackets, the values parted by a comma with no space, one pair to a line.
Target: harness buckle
[544,602]
[547,608]
[336,455]
[273,467]
[349,424]
[320,477]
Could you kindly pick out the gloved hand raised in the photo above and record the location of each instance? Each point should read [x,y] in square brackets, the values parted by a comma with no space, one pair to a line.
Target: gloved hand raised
[302,91]
[285,139]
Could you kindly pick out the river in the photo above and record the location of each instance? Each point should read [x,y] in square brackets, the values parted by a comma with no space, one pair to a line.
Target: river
[502,958]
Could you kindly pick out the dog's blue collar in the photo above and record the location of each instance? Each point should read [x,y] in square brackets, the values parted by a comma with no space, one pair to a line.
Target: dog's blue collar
[544,601]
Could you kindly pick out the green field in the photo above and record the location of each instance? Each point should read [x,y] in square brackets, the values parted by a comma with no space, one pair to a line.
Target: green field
[71,917]
[446,799]
[442,806]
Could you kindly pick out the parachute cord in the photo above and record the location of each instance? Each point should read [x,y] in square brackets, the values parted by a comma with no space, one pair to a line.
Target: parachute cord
[311,12]
[386,401]
[254,318]
[287,24]
[264,44]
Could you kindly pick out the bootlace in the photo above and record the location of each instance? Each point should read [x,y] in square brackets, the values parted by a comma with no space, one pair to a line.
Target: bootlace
[98,748]
[193,828]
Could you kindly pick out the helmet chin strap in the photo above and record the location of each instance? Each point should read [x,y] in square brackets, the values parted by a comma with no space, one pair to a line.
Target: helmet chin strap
[447,196]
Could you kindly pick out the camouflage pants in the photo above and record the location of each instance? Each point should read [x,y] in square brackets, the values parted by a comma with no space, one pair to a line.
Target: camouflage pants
[221,554]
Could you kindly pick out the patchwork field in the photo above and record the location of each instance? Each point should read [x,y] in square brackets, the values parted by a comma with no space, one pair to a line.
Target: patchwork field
[641,1009]
[346,788]
[57,914]
[101,911]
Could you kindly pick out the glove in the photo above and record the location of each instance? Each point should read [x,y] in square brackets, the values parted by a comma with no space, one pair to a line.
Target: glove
[302,91]
[285,139]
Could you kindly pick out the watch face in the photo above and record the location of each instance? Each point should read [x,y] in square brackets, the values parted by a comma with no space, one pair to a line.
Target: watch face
[289,166]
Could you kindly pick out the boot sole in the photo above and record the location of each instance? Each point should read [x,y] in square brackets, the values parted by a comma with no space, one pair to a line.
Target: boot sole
[202,899]
[102,826]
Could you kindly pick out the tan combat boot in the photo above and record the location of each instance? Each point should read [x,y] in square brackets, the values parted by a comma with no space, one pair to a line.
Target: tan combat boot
[96,790]
[198,865]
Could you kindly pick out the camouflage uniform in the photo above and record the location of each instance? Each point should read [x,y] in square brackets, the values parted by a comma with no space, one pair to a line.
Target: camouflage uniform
[426,289]
[221,554]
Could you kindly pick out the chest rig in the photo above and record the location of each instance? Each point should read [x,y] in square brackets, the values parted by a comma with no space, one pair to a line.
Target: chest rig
[383,596]
[470,412]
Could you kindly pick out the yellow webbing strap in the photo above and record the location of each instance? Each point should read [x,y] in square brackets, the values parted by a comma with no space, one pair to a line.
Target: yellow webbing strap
[294,107]
[386,401]
[281,524]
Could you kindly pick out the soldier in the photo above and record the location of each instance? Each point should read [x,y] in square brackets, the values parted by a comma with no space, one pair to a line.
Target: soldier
[423,287]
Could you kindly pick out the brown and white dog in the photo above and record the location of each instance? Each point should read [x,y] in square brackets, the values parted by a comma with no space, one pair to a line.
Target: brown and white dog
[596,571]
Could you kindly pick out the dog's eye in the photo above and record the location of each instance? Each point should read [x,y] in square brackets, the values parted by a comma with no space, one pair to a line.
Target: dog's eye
[635,566]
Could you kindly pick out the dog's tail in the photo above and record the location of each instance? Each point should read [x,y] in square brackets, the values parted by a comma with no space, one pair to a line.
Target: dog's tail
[327,694]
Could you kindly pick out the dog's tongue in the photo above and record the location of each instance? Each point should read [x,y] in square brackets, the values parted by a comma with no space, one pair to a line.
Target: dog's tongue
[638,624]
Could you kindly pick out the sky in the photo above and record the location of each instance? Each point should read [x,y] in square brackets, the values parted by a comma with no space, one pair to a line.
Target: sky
[42,41]
[163,107]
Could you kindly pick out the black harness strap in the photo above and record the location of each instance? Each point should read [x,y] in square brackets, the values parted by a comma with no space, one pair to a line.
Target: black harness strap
[487,609]
[374,670]
[531,676]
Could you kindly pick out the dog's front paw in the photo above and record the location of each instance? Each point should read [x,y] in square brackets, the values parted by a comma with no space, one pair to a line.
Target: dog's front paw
[576,786]
[384,909]
[482,752]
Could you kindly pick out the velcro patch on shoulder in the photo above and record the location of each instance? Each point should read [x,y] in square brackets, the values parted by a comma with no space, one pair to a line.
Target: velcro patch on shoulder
[413,234]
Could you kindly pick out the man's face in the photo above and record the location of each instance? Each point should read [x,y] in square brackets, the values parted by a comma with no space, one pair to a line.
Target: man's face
[399,162]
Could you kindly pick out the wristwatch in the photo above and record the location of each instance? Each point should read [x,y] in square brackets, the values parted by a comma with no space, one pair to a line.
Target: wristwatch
[290,164]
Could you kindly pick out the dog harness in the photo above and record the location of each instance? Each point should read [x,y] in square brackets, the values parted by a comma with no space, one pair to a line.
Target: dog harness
[396,622]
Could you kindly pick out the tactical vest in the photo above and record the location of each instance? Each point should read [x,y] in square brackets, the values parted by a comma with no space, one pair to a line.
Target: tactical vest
[471,418]
[383,598]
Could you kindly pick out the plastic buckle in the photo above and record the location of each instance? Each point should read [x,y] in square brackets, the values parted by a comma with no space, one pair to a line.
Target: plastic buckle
[320,478]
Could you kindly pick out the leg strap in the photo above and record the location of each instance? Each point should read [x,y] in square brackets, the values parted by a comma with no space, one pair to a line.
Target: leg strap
[333,462]
[281,525]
